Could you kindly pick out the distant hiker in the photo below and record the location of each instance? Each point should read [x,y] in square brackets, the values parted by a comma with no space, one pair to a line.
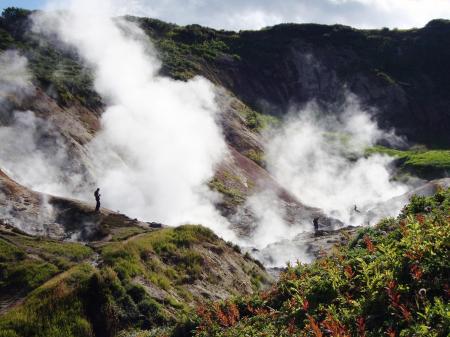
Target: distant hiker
[316,224]
[356,209]
[97,199]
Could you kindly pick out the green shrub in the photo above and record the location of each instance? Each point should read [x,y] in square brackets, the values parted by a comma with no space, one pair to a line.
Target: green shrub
[257,156]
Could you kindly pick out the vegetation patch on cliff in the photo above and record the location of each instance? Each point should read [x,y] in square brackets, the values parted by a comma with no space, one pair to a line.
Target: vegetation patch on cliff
[420,160]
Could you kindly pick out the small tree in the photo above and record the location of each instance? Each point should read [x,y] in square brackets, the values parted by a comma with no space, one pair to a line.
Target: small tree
[13,13]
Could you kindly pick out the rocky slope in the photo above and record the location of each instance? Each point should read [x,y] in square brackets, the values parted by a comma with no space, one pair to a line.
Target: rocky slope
[60,218]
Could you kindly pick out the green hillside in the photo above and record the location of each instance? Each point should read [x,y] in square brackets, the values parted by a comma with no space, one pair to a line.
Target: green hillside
[150,281]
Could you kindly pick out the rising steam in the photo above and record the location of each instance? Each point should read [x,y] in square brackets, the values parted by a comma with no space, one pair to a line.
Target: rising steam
[32,151]
[14,77]
[320,158]
[160,142]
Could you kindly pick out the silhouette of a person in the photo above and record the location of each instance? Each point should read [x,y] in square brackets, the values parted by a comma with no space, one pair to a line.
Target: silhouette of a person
[316,224]
[356,209]
[97,199]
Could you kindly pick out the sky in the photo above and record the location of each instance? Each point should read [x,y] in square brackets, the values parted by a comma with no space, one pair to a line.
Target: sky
[255,14]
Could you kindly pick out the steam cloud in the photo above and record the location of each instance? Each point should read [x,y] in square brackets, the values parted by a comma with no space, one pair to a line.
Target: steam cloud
[271,242]
[160,142]
[32,152]
[320,159]
[14,79]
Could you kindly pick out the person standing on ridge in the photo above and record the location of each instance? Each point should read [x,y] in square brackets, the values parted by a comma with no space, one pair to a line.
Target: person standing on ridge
[316,224]
[97,199]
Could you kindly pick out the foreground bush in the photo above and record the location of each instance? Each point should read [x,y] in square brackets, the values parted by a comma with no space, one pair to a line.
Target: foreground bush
[391,280]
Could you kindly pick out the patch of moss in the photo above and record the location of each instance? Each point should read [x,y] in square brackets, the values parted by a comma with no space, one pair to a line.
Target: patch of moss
[257,156]
[27,262]
[10,252]
[163,257]
[25,274]
[233,195]
[256,121]
[432,158]
[123,233]
[71,251]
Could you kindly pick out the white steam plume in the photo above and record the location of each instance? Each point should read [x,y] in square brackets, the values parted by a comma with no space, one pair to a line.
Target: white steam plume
[273,234]
[34,154]
[31,152]
[14,76]
[159,142]
[320,159]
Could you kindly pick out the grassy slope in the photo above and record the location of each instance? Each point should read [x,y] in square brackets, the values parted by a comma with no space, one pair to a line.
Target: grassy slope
[54,309]
[75,292]
[391,280]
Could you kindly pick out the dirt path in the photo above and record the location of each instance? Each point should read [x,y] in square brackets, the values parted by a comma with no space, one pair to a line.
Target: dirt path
[8,302]
[136,236]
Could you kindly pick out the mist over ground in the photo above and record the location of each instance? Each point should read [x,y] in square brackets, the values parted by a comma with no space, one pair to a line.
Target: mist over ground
[320,157]
[160,142]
